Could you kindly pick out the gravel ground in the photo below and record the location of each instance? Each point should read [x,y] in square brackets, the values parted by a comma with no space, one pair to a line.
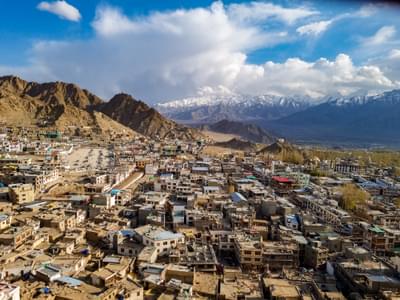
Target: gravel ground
[89,159]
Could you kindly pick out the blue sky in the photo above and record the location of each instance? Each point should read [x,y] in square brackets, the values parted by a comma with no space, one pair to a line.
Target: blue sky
[161,50]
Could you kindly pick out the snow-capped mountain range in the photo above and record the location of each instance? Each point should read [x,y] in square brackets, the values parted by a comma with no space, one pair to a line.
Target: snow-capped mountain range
[387,97]
[239,107]
[363,119]
[359,119]
[233,99]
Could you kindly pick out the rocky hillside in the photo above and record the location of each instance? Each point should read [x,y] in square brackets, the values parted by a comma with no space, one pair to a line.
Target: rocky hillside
[284,151]
[139,116]
[278,147]
[57,105]
[65,107]
[237,144]
[245,131]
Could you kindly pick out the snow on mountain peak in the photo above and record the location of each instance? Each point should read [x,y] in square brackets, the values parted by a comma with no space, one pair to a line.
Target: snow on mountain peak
[393,96]
[229,98]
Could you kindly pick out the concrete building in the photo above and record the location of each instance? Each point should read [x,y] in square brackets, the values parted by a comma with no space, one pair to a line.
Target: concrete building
[277,255]
[5,221]
[249,252]
[21,193]
[9,291]
[163,240]
[16,236]
[315,254]
[197,257]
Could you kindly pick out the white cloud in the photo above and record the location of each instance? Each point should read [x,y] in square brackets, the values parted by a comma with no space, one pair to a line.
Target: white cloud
[317,28]
[110,20]
[314,28]
[62,9]
[367,10]
[382,36]
[161,56]
[261,11]
[394,54]
[174,54]
[317,79]
[389,63]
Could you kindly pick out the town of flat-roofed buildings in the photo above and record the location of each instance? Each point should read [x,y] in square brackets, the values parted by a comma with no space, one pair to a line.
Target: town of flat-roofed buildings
[161,219]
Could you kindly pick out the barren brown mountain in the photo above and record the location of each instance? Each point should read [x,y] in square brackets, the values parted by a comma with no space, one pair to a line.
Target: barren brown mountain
[237,144]
[139,116]
[57,105]
[65,106]
[245,131]
[278,147]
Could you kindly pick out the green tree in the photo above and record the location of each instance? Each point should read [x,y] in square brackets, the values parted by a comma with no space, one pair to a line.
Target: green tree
[352,196]
[292,156]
